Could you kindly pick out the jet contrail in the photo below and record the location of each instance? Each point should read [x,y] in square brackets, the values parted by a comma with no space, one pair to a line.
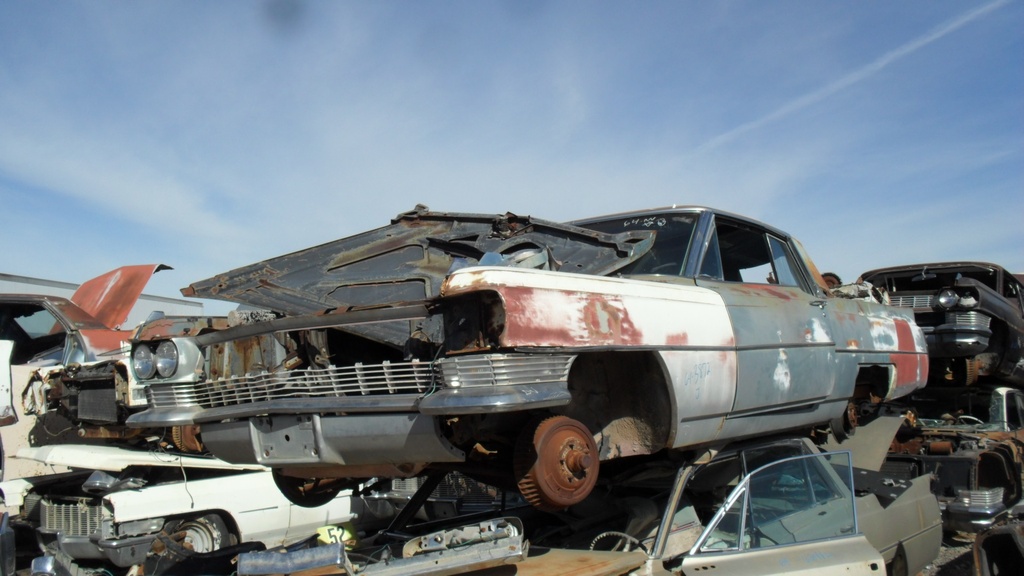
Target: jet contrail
[853,77]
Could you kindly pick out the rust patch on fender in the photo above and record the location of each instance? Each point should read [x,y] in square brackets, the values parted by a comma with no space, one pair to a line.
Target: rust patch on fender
[602,320]
[681,339]
[536,317]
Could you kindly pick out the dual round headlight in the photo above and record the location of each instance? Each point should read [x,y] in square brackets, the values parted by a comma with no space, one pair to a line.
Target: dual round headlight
[148,363]
[948,298]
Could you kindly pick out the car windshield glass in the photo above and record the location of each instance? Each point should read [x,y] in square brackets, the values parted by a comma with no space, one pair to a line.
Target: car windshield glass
[975,408]
[671,243]
[933,279]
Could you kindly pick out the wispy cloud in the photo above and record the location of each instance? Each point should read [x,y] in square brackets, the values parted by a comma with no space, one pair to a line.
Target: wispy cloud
[854,77]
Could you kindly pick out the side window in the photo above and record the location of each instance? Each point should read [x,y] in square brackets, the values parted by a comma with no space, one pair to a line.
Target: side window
[38,324]
[739,253]
[36,333]
[745,256]
[724,533]
[711,267]
[783,261]
[791,501]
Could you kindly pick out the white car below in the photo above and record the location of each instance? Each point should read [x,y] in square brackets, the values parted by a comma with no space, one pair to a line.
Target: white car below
[119,506]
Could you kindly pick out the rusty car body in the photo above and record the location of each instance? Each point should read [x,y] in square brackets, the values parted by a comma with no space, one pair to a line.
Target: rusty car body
[972,314]
[972,439]
[514,348]
[1000,549]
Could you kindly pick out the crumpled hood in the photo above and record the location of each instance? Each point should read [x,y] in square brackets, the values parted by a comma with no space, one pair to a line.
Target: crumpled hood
[111,296]
[408,260]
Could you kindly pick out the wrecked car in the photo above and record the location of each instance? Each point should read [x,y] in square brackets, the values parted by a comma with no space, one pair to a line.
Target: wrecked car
[972,314]
[77,351]
[766,508]
[122,507]
[516,349]
[972,440]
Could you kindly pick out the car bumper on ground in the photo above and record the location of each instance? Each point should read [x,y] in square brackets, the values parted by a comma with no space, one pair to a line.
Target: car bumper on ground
[974,510]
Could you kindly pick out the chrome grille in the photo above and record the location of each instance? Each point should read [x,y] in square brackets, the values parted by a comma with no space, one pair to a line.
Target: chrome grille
[387,378]
[504,369]
[30,507]
[396,378]
[987,497]
[919,301]
[75,518]
[973,319]
[407,485]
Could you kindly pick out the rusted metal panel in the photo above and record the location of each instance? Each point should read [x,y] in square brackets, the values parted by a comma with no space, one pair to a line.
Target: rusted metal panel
[110,297]
[870,334]
[999,550]
[172,326]
[545,309]
[407,260]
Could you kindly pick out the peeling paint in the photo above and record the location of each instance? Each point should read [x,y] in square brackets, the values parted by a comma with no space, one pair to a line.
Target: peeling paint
[110,297]
[782,376]
[593,314]
[818,331]
[883,334]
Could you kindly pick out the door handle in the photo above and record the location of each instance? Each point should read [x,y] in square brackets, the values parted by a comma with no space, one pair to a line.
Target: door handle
[819,303]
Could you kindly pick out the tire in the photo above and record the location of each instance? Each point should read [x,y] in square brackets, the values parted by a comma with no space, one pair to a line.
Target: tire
[898,566]
[205,534]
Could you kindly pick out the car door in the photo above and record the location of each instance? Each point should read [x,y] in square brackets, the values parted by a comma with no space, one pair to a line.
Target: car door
[783,341]
[793,516]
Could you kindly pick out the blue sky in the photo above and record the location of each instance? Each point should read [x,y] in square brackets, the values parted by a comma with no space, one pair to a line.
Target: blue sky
[209,135]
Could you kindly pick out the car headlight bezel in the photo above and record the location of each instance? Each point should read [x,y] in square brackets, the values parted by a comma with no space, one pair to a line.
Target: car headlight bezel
[969,300]
[947,298]
[143,362]
[166,359]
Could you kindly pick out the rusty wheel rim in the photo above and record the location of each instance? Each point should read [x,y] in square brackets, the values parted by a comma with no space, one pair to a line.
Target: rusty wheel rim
[186,439]
[557,465]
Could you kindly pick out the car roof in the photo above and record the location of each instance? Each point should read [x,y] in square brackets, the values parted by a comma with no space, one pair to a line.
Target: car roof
[937,265]
[678,208]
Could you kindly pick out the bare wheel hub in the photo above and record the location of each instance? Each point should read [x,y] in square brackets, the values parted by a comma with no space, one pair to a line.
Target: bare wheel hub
[556,463]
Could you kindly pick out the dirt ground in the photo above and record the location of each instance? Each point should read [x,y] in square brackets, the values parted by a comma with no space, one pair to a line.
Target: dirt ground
[956,558]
